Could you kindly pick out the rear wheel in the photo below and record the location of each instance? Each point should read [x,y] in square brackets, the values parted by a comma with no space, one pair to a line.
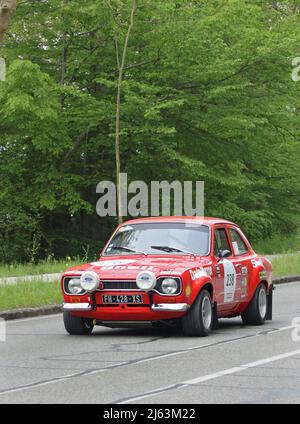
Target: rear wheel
[256,313]
[199,319]
[77,325]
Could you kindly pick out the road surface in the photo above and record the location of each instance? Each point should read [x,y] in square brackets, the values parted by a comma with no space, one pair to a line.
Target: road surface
[40,363]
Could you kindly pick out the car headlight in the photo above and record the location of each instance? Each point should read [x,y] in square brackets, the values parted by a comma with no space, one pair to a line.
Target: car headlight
[146,280]
[89,281]
[169,286]
[74,287]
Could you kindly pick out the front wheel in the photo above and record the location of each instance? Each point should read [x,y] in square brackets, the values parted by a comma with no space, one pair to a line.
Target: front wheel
[76,325]
[256,312]
[199,319]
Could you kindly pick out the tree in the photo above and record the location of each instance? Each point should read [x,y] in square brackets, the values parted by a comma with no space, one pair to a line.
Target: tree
[7,7]
[206,94]
[120,59]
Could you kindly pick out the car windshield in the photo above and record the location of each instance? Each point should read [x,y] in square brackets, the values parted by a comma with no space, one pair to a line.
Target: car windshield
[160,238]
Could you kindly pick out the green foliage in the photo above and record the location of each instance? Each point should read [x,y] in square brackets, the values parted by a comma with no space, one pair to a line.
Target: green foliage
[207,95]
[286,265]
[48,266]
[25,295]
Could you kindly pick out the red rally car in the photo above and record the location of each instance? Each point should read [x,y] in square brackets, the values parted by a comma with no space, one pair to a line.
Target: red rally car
[183,270]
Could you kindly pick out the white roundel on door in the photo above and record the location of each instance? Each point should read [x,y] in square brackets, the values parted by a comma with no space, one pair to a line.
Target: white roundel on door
[229,281]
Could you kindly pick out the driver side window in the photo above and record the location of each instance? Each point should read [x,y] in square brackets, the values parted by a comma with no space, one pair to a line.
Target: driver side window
[221,241]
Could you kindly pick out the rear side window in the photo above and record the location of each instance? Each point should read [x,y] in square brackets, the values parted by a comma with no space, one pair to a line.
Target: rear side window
[221,241]
[238,244]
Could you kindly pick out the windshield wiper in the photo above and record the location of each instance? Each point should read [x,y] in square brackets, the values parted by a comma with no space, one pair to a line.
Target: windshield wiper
[127,249]
[170,249]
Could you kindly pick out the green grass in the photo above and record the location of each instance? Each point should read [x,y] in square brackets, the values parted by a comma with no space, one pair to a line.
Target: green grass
[278,244]
[25,295]
[47,267]
[286,265]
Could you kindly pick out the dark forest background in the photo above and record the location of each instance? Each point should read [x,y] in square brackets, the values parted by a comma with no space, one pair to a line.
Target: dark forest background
[207,95]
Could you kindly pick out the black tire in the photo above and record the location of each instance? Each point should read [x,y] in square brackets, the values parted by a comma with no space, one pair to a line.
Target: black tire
[76,325]
[256,313]
[194,323]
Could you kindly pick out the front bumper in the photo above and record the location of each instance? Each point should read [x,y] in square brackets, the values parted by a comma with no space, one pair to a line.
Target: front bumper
[161,307]
[170,307]
[77,307]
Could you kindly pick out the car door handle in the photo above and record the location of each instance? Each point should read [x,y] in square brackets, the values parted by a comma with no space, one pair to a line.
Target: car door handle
[239,265]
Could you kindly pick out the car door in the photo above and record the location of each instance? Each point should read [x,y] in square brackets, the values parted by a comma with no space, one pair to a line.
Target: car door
[225,276]
[240,260]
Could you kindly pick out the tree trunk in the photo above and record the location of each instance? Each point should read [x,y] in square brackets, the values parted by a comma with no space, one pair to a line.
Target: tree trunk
[121,65]
[7,7]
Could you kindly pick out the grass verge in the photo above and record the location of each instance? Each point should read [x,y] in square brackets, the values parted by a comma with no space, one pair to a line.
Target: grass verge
[286,265]
[278,244]
[27,295]
[47,267]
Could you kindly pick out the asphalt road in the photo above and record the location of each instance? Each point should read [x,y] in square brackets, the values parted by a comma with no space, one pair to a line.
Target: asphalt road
[40,363]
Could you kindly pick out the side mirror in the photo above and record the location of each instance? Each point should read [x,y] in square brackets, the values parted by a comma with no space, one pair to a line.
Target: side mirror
[224,254]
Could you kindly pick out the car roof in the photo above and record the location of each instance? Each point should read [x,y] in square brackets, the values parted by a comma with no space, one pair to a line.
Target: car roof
[188,219]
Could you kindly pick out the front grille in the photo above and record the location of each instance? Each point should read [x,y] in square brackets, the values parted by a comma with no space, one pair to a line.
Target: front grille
[119,285]
[131,285]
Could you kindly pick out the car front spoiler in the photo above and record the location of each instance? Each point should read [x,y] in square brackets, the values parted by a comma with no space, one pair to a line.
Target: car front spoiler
[170,307]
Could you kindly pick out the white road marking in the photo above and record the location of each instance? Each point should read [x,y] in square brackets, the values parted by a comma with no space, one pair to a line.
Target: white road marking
[213,376]
[243,367]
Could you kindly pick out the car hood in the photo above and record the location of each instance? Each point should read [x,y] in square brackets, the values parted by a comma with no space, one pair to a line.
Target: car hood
[129,267]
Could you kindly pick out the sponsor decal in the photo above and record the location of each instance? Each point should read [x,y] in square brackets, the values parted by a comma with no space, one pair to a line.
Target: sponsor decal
[229,281]
[113,262]
[244,277]
[236,248]
[208,270]
[120,264]
[256,263]
[262,274]
[126,267]
[244,270]
[76,271]
[197,273]
[244,281]
[218,271]
[169,272]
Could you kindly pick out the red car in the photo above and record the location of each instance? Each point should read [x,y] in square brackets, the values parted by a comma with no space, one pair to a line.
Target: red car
[183,270]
